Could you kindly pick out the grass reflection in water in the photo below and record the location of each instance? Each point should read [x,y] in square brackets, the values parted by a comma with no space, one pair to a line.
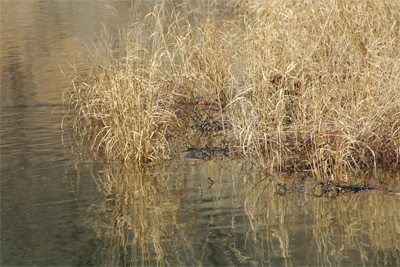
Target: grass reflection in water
[155,215]
[139,218]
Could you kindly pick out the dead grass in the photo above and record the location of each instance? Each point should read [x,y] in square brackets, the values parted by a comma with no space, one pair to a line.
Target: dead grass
[310,84]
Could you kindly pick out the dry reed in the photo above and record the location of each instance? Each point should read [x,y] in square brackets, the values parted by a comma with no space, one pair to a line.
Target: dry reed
[310,84]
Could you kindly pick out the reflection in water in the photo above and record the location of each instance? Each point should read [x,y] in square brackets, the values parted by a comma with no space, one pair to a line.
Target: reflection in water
[40,37]
[157,215]
[41,212]
[140,215]
[306,229]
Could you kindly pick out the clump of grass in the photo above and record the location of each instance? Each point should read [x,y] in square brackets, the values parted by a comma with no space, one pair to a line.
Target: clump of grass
[122,101]
[311,84]
[325,79]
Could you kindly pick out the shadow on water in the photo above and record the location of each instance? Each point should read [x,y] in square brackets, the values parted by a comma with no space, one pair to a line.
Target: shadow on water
[172,214]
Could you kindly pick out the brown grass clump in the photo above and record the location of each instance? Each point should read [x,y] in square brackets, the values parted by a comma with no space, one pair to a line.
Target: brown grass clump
[296,84]
[325,77]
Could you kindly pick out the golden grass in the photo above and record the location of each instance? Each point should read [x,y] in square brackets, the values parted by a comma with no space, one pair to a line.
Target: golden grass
[310,84]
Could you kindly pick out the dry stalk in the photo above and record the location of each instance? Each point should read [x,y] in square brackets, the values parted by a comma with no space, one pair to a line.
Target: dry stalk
[311,84]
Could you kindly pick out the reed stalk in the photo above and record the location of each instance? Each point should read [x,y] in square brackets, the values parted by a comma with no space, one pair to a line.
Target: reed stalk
[310,84]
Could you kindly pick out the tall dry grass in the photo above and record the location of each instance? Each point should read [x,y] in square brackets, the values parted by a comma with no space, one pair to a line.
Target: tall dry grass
[310,84]
[325,82]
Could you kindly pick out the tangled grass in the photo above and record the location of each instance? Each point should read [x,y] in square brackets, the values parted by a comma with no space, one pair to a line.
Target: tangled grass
[292,84]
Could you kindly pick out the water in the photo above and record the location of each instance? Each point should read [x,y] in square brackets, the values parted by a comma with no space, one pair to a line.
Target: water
[59,211]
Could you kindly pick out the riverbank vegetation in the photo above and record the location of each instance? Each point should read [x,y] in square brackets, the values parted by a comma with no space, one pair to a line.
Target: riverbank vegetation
[291,84]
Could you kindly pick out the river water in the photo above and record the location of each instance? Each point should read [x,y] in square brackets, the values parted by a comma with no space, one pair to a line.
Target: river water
[58,210]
